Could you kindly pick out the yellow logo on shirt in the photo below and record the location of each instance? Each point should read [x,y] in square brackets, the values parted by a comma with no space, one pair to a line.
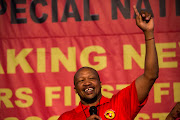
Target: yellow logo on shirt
[109,114]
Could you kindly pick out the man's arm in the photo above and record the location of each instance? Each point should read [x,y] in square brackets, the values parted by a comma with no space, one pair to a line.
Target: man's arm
[145,82]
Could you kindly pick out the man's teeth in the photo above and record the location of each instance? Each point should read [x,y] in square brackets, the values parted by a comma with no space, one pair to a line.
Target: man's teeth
[88,89]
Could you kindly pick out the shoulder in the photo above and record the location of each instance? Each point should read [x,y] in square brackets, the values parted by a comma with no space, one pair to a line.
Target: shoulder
[131,88]
[67,115]
[129,92]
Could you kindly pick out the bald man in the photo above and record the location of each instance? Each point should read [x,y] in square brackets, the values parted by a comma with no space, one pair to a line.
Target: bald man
[126,104]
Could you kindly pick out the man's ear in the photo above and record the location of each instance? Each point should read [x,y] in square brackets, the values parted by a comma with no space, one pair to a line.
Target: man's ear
[75,90]
[101,84]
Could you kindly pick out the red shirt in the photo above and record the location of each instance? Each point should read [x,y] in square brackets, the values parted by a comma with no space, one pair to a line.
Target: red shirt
[122,106]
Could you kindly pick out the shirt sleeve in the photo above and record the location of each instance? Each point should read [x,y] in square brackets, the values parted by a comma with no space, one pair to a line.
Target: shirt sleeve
[127,101]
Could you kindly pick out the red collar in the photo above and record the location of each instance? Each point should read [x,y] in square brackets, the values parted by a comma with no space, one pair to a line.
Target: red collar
[80,107]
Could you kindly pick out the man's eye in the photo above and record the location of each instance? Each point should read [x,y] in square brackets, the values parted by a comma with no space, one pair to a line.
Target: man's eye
[81,80]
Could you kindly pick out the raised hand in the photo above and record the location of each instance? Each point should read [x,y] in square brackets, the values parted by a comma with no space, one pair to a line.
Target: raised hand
[144,20]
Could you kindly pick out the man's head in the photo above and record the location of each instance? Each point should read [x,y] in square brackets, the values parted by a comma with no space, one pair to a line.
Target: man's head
[87,84]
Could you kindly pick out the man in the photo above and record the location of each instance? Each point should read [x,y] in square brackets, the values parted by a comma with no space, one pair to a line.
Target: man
[175,113]
[126,104]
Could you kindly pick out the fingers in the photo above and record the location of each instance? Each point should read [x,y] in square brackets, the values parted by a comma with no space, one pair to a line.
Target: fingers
[144,20]
[138,16]
[136,11]
[145,16]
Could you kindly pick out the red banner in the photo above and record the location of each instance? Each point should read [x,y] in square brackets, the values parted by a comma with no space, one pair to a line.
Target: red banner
[44,42]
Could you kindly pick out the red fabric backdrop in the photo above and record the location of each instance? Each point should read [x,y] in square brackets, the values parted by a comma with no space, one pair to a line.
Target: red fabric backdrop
[44,42]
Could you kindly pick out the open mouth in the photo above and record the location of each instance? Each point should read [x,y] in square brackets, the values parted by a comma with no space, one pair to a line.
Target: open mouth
[89,89]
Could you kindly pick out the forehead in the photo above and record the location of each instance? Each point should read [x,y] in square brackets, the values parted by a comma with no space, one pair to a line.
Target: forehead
[85,71]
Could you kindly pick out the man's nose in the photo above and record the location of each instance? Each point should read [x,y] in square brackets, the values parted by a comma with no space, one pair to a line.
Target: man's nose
[87,82]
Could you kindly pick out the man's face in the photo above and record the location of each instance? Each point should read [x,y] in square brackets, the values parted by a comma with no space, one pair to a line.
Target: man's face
[87,84]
